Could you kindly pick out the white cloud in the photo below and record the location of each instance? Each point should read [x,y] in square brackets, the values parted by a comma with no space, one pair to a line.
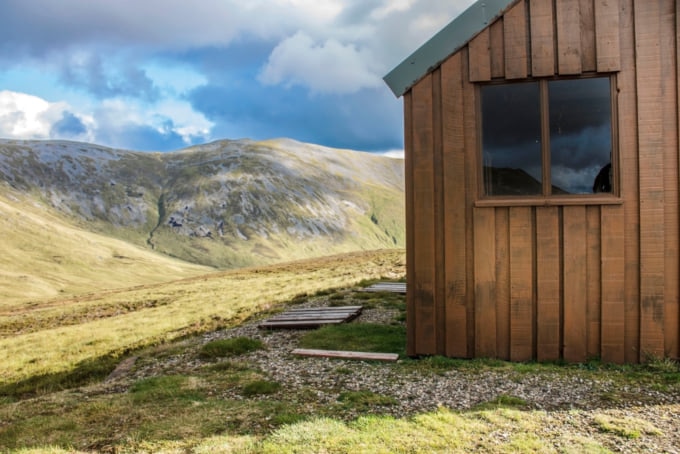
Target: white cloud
[24,116]
[328,67]
[356,46]
[187,123]
[390,7]
[166,117]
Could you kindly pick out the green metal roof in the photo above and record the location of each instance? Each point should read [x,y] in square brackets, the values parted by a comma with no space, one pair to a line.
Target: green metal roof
[445,43]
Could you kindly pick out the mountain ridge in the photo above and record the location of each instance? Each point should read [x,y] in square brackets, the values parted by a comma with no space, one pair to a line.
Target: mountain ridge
[224,204]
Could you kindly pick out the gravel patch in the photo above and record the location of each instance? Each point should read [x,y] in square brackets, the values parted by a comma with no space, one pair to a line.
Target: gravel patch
[573,405]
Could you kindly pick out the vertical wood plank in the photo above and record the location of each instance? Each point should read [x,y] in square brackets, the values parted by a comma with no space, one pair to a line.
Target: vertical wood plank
[515,38]
[568,20]
[502,283]
[471,124]
[411,314]
[607,35]
[438,181]
[575,293]
[629,185]
[485,283]
[613,285]
[547,284]
[671,315]
[651,154]
[480,57]
[455,220]
[424,228]
[542,38]
[669,77]
[521,284]
[593,280]
[497,47]
[588,52]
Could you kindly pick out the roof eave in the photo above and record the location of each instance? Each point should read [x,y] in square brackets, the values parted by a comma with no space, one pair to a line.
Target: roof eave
[444,44]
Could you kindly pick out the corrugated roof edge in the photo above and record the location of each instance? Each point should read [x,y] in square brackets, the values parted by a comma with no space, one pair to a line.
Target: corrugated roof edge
[445,43]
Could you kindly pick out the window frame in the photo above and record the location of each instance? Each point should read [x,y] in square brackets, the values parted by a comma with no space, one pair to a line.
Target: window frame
[546,198]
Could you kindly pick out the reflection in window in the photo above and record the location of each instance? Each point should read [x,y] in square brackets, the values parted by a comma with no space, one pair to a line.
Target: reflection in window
[511,134]
[580,134]
[575,158]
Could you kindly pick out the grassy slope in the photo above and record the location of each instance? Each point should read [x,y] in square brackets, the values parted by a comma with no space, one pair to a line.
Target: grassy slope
[56,336]
[45,256]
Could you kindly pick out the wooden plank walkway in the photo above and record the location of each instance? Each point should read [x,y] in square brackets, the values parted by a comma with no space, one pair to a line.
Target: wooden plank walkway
[346,354]
[312,317]
[394,287]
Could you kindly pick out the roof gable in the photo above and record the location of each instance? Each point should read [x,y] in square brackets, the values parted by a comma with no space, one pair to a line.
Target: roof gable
[445,43]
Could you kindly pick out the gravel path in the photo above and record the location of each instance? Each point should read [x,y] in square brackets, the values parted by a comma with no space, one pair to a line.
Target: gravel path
[572,404]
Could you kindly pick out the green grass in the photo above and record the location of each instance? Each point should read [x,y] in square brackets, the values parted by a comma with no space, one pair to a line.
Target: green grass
[625,427]
[224,348]
[260,387]
[364,400]
[193,412]
[165,388]
[362,337]
[503,401]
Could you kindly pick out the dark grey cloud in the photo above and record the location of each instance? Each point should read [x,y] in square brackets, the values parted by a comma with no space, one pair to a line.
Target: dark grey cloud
[369,120]
[91,74]
[68,126]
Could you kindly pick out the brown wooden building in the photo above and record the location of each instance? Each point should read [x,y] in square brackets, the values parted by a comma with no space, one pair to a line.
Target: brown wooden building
[515,251]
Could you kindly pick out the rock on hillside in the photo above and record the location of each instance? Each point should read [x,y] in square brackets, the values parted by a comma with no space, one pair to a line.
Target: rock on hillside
[224,204]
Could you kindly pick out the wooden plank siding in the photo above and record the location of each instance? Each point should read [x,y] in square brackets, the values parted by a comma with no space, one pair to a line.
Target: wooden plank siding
[651,160]
[455,206]
[515,33]
[548,284]
[588,40]
[629,181]
[423,224]
[574,271]
[555,280]
[410,214]
[542,38]
[669,114]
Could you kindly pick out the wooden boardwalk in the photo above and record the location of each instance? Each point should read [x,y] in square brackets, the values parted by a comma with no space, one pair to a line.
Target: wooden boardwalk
[311,317]
[394,287]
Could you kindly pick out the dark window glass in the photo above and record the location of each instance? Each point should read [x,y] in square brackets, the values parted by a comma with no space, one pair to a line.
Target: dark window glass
[511,139]
[580,135]
[575,157]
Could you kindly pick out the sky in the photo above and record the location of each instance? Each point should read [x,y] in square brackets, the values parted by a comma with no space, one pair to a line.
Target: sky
[159,75]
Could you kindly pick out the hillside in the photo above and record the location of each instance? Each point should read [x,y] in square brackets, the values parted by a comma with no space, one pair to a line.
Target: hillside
[225,204]
[45,256]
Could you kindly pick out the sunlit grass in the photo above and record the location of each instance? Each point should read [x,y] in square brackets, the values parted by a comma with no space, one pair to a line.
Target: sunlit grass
[45,255]
[189,306]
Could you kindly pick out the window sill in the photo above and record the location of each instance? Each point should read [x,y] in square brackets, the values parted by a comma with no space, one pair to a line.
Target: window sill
[516,201]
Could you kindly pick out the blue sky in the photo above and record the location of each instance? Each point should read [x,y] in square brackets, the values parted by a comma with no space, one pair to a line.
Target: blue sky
[161,75]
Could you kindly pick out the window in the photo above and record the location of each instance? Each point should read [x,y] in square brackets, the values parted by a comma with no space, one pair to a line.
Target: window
[547,138]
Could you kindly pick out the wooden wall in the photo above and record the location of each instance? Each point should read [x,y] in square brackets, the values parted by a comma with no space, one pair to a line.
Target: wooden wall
[535,281]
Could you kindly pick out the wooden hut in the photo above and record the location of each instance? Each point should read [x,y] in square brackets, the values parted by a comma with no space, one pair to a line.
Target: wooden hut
[514,251]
